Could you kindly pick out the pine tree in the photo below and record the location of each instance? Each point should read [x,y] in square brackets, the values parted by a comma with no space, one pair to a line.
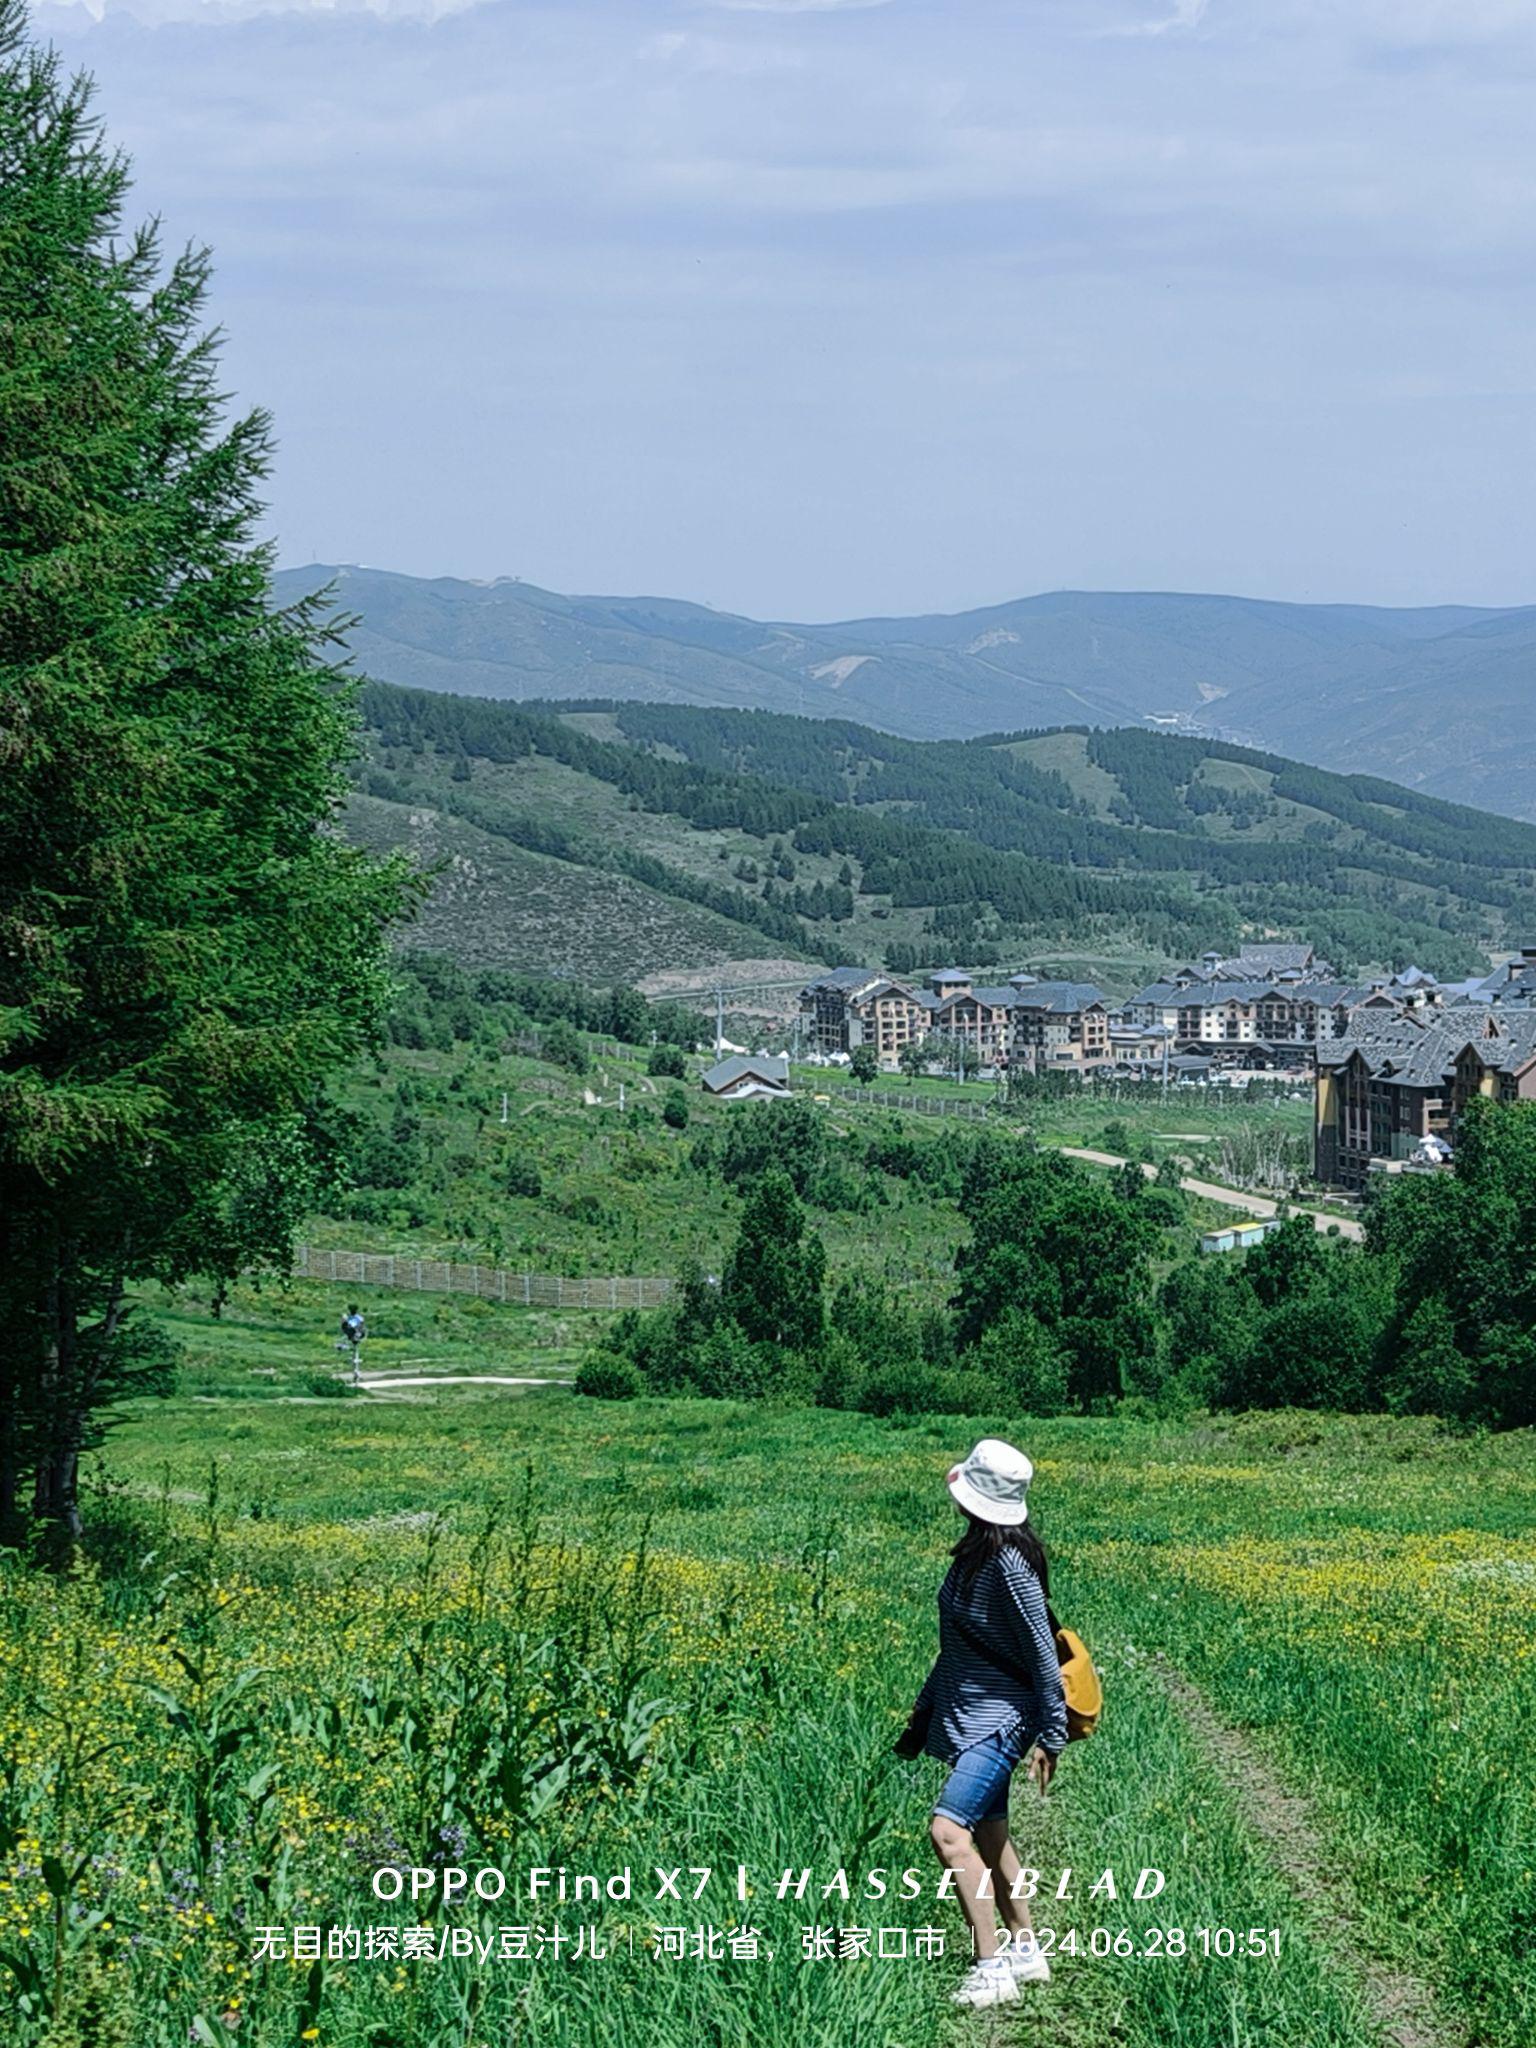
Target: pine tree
[187,945]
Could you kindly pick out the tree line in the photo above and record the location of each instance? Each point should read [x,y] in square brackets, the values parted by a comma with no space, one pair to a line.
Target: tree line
[1071,1293]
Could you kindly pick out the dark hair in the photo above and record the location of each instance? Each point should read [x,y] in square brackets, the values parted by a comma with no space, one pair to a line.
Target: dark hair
[983,1541]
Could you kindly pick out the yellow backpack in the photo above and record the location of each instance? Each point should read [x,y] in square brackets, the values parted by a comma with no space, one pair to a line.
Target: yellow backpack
[1080,1682]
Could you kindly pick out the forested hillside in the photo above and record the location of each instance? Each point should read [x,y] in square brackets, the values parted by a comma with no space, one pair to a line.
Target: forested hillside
[1347,686]
[605,837]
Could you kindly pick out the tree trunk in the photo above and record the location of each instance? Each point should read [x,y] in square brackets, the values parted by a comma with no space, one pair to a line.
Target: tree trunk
[61,1417]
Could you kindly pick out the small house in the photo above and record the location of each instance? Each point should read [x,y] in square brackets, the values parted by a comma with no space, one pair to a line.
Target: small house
[749,1077]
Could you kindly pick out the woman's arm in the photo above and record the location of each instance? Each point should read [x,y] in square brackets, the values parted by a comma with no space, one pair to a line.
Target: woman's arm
[1036,1643]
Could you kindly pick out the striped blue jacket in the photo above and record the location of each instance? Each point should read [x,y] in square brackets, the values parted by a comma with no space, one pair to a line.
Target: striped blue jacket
[966,1697]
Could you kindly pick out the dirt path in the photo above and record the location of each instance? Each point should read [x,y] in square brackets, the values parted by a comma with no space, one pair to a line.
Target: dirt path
[1233,1198]
[1402,2006]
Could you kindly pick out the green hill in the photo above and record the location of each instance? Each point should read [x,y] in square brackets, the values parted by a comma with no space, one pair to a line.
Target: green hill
[1437,697]
[608,839]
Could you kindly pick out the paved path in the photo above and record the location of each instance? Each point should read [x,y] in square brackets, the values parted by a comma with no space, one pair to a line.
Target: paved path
[378,1383]
[1234,1198]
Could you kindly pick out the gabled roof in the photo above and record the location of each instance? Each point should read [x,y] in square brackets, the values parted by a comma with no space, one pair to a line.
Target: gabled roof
[1420,1049]
[1058,997]
[846,977]
[769,1067]
[1326,994]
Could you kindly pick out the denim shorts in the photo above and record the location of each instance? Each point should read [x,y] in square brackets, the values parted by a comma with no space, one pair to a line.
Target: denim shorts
[979,1780]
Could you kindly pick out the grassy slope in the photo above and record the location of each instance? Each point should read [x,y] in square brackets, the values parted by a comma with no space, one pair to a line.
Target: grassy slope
[619,1194]
[498,902]
[1301,1572]
[494,904]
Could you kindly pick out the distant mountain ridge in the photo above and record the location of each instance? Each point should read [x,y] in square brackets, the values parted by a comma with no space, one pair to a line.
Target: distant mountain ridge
[1441,698]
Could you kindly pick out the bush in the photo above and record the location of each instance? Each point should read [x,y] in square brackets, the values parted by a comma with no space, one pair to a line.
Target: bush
[674,1110]
[931,1390]
[728,1366]
[522,1177]
[327,1386]
[1019,1354]
[1429,1375]
[564,1047]
[608,1377]
[841,1373]
[667,1062]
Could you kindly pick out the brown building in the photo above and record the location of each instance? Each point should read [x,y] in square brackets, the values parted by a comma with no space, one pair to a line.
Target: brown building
[854,1006]
[1391,1082]
[978,1017]
[1058,1024]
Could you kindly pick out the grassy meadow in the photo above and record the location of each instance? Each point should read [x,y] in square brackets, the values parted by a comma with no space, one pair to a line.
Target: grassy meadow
[617,1189]
[472,1627]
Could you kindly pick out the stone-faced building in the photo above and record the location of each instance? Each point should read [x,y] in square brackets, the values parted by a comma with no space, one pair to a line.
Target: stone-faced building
[1058,1024]
[855,1006]
[1391,1082]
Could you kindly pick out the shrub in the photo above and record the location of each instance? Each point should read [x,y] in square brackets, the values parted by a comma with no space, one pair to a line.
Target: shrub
[727,1366]
[522,1177]
[608,1377]
[931,1390]
[1020,1355]
[1429,1375]
[327,1386]
[667,1062]
[674,1110]
[564,1047]
[841,1373]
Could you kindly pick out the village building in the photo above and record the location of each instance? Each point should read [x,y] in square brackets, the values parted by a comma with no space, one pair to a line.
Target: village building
[1058,1024]
[1394,1082]
[749,1077]
[1239,1237]
[853,1006]
[980,1017]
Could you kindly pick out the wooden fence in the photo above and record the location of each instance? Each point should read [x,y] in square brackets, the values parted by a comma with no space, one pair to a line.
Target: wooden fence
[488,1283]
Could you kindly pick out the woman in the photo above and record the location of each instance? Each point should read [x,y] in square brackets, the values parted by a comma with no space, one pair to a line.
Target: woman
[993,1695]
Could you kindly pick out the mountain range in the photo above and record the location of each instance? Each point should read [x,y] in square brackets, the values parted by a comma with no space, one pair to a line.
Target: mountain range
[1440,698]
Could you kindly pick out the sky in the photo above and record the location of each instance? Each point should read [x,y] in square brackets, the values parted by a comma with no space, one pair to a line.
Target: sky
[817,309]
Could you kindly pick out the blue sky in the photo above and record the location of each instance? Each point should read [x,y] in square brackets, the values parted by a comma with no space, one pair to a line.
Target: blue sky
[812,308]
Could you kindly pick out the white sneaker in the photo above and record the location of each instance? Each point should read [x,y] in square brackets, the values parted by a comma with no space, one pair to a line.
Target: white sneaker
[1027,1963]
[987,1983]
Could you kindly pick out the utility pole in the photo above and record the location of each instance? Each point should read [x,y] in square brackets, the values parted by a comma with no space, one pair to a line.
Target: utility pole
[719,1020]
[503,1105]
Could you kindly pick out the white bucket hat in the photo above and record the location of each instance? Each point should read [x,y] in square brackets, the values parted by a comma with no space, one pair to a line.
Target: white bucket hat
[993,1483]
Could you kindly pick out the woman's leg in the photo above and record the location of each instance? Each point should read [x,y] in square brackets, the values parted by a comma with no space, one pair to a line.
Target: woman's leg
[956,1848]
[1002,1859]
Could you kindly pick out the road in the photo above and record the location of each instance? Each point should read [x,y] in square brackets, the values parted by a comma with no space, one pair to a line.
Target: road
[1234,1198]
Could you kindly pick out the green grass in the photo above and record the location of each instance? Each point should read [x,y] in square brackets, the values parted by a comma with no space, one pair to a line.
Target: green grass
[387,1616]
[277,1340]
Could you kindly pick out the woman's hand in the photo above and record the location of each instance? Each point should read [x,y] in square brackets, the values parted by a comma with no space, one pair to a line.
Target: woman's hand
[1042,1768]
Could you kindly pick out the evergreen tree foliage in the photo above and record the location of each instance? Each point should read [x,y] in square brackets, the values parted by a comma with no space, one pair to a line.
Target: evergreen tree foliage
[187,944]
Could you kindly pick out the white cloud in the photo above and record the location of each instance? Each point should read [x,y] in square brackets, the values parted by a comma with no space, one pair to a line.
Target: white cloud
[543,286]
[795,6]
[1187,14]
